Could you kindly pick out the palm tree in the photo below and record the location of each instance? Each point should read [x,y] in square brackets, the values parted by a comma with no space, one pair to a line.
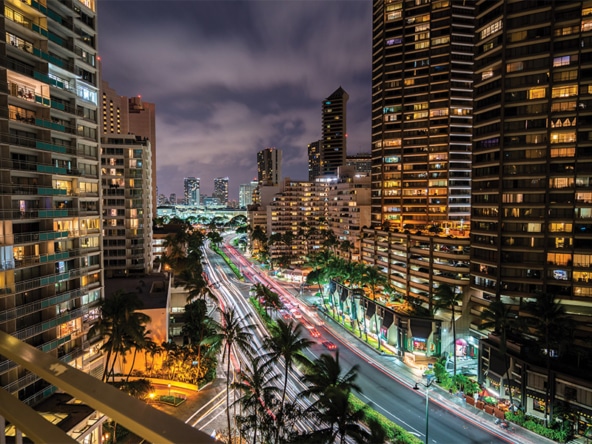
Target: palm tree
[232,332]
[256,383]
[195,283]
[215,238]
[326,371]
[550,324]
[197,326]
[448,297]
[286,342]
[120,323]
[500,318]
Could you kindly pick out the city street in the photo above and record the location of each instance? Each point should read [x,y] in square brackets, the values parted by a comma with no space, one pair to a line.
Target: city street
[387,384]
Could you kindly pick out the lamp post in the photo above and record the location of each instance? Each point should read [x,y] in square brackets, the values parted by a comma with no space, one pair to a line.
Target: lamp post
[427,408]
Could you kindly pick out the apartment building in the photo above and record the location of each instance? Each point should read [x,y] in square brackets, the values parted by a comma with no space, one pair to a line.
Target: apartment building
[126,180]
[51,274]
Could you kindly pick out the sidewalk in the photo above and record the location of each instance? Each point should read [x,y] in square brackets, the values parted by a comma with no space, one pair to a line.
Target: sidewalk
[408,376]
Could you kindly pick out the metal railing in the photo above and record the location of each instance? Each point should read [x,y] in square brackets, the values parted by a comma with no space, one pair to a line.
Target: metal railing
[133,414]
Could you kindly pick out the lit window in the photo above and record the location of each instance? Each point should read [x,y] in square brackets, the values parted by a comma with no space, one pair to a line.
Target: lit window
[487,74]
[422,45]
[586,25]
[564,91]
[514,66]
[563,137]
[440,41]
[561,61]
[494,27]
[537,93]
[517,36]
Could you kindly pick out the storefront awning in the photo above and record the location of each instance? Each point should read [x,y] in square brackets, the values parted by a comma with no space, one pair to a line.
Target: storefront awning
[370,309]
[421,328]
[388,319]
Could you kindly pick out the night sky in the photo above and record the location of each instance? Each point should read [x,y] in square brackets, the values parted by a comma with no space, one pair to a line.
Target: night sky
[230,78]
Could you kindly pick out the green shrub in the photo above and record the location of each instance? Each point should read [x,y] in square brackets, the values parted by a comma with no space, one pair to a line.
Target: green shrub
[394,432]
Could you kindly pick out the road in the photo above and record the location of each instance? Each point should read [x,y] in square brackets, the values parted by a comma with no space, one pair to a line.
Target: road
[390,395]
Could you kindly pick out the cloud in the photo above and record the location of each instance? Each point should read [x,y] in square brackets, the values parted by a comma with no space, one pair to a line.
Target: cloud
[230,78]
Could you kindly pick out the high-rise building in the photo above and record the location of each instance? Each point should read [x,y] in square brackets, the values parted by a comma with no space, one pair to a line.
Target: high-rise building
[531,230]
[191,190]
[421,113]
[173,199]
[126,179]
[221,190]
[314,160]
[269,166]
[245,193]
[361,163]
[130,115]
[334,132]
[51,278]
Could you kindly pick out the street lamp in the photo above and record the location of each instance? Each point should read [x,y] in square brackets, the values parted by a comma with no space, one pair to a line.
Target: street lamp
[427,408]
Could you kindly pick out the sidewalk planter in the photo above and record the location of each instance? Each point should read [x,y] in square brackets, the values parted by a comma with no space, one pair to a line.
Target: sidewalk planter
[470,400]
[499,413]
[480,405]
[489,409]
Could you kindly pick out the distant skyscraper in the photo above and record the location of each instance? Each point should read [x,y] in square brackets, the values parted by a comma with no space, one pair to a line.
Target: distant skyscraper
[334,131]
[221,190]
[191,190]
[314,160]
[245,193]
[125,115]
[421,106]
[269,166]
[173,199]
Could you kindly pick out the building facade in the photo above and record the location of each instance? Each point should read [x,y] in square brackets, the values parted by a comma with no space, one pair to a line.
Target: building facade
[130,115]
[269,166]
[314,160]
[221,190]
[191,187]
[532,178]
[126,180]
[51,278]
[421,114]
[246,192]
[334,132]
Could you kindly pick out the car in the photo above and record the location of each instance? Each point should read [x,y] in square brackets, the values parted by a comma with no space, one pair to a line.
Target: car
[329,345]
[315,333]
[286,315]
[297,314]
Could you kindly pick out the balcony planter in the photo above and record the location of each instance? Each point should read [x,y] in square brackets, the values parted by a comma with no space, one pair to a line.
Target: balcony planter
[480,405]
[489,409]
[470,400]
[499,413]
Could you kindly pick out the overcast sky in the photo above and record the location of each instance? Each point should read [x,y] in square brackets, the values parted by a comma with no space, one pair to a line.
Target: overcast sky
[230,78]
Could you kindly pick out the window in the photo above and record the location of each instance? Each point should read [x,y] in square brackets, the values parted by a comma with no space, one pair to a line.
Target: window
[487,74]
[563,137]
[514,66]
[565,75]
[562,61]
[563,106]
[440,41]
[564,91]
[497,26]
[537,93]
[517,36]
